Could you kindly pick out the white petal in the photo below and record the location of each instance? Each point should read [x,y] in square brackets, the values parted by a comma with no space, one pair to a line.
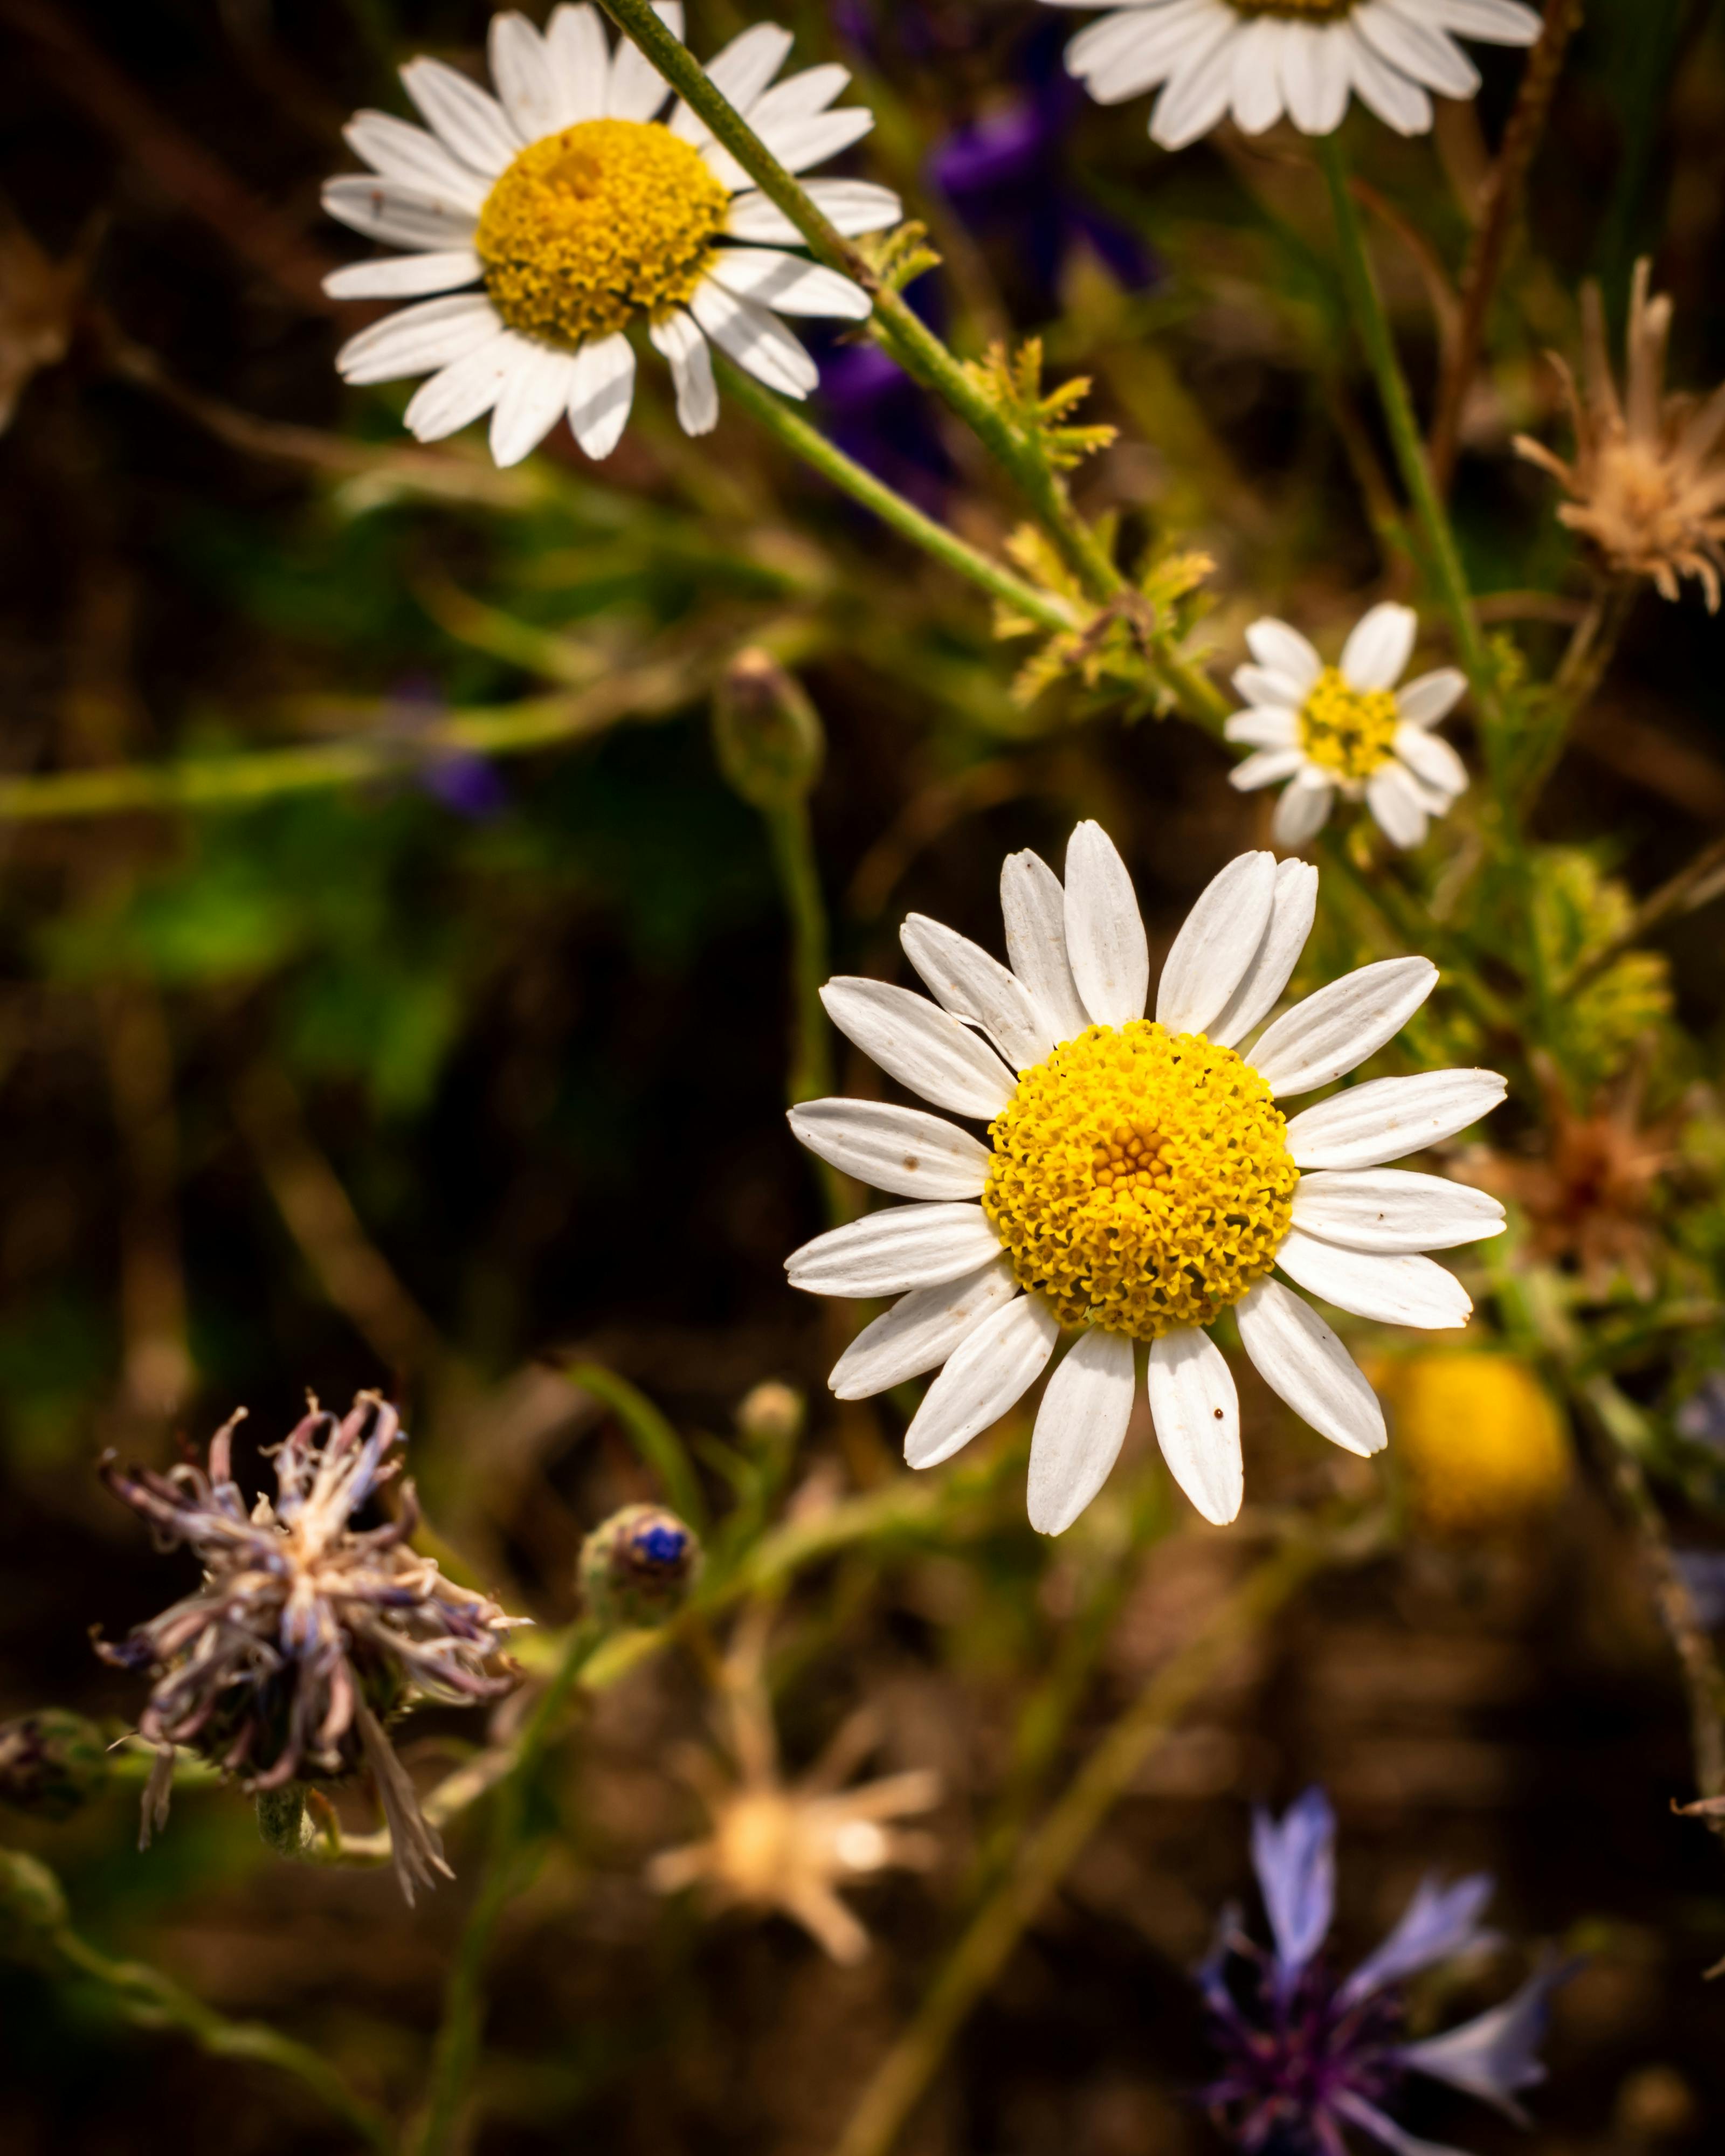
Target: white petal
[1380,647]
[965,980]
[1429,756]
[742,71]
[1398,102]
[601,392]
[1389,1118]
[1339,1026]
[402,151]
[852,206]
[1264,725]
[1417,47]
[1196,1411]
[1270,686]
[1295,904]
[1395,1291]
[1079,1428]
[815,136]
[521,70]
[1303,809]
[789,282]
[920,1045]
[990,1371]
[1034,906]
[904,1150]
[1393,1208]
[462,391]
[1265,767]
[755,338]
[1105,946]
[636,90]
[1429,697]
[1397,806]
[1284,650]
[1492,21]
[1315,78]
[1197,96]
[920,1330]
[1122,54]
[1217,940]
[803,95]
[404,276]
[464,118]
[533,399]
[419,340]
[1303,1363]
[580,63]
[392,211]
[1257,75]
[675,336]
[900,1247]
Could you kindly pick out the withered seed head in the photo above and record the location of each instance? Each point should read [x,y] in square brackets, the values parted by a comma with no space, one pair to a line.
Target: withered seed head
[306,1631]
[1647,485]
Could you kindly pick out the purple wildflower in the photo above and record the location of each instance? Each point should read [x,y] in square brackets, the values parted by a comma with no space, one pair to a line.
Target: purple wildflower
[1702,1417]
[1703,1572]
[306,1632]
[1307,2053]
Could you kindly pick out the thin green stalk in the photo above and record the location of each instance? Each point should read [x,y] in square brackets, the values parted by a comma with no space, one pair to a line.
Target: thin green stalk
[651,1436]
[810,1075]
[1045,1856]
[460,2039]
[1373,324]
[809,443]
[909,338]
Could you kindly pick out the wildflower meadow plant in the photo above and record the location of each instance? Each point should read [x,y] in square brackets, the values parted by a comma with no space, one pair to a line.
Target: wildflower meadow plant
[492,722]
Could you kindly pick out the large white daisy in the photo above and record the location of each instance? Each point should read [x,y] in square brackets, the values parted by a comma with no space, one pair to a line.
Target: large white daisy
[1347,729]
[547,218]
[1264,58]
[1138,1178]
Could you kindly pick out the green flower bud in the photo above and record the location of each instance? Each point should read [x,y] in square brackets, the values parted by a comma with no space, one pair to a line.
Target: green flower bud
[771,1415]
[766,733]
[637,1567]
[282,1821]
[51,1762]
[31,1899]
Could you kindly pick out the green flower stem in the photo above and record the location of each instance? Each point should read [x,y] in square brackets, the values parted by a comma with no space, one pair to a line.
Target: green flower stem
[652,1436]
[441,2127]
[911,341]
[810,1075]
[1372,325]
[790,428]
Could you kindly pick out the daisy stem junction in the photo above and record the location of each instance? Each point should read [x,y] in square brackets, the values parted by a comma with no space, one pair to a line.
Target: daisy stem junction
[908,337]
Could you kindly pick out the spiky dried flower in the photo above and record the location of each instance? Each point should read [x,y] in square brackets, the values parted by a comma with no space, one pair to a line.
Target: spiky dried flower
[789,1845]
[1647,485]
[307,1632]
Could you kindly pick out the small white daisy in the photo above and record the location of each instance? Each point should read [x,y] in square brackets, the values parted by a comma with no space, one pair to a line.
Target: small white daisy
[572,207]
[1139,1179]
[1347,728]
[1264,58]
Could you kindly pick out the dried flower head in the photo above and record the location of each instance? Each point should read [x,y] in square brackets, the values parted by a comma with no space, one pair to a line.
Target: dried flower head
[307,1631]
[790,1845]
[1308,2052]
[1647,485]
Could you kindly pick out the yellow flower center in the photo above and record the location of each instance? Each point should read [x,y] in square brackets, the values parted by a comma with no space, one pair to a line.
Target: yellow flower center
[1140,1179]
[587,226]
[1296,11]
[1348,731]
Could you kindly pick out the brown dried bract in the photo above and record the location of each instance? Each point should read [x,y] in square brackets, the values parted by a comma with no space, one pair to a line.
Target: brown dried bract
[1647,485]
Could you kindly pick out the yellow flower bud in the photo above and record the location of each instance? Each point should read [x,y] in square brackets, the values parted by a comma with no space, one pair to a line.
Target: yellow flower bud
[1480,1444]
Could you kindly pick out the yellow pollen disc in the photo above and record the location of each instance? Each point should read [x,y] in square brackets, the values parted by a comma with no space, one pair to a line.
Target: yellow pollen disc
[1347,731]
[588,227]
[1140,1179]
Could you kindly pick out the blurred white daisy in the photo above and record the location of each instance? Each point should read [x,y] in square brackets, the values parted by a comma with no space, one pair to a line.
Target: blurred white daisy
[1263,58]
[1347,728]
[1139,1179]
[546,219]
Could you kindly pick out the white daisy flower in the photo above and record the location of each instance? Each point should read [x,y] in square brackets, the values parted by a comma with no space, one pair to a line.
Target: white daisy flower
[1138,1178]
[1348,729]
[1263,58]
[546,219]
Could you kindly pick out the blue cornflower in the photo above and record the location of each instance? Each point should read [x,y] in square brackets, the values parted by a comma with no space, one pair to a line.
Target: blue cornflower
[1309,2053]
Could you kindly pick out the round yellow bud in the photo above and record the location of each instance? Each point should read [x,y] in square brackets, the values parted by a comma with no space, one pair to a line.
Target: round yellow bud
[1480,1443]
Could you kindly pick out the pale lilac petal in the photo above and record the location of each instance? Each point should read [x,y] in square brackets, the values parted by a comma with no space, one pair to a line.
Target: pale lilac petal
[1295,1858]
[1437,1925]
